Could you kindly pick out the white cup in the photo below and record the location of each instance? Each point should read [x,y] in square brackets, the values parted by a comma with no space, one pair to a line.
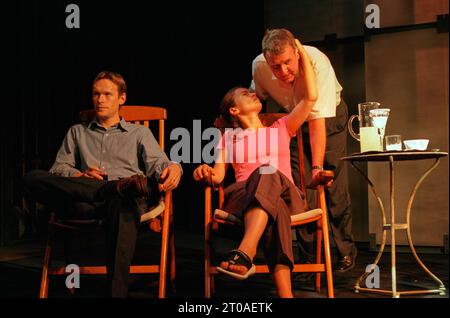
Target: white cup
[393,142]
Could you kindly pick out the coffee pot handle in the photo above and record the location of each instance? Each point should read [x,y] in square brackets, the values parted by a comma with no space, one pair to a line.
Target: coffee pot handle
[350,127]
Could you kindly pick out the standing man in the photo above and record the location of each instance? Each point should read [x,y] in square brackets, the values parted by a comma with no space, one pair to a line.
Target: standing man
[111,168]
[276,79]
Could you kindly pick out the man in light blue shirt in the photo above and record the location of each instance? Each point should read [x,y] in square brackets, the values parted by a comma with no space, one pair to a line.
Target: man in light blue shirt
[112,168]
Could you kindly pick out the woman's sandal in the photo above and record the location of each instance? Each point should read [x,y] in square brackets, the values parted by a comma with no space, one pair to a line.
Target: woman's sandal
[237,257]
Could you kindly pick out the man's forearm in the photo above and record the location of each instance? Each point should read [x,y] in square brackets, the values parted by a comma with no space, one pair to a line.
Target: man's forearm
[65,162]
[317,138]
[64,170]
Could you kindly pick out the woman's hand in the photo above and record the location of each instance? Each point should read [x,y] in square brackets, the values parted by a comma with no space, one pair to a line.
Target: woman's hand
[299,46]
[301,53]
[204,174]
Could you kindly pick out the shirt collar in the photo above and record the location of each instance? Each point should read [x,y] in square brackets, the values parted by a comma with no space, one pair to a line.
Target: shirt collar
[122,124]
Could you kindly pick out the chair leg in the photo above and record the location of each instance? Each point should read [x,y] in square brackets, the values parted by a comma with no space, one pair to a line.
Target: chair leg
[207,263]
[172,256]
[164,247]
[209,277]
[328,266]
[212,284]
[163,265]
[209,226]
[43,292]
[323,225]
[318,256]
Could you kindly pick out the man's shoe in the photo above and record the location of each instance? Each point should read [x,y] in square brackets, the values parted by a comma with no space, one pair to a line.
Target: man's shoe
[132,187]
[346,262]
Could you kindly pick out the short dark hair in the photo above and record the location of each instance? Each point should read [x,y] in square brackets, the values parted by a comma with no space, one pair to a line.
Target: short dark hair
[114,77]
[275,40]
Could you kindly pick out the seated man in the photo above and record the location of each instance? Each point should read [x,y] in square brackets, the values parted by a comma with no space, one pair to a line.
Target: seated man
[111,166]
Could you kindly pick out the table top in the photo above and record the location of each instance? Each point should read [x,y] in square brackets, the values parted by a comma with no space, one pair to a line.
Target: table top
[399,155]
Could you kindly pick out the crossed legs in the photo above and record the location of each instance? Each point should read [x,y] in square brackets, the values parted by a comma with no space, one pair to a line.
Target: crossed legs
[122,224]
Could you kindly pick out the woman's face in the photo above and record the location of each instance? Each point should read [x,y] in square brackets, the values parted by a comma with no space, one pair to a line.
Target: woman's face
[247,102]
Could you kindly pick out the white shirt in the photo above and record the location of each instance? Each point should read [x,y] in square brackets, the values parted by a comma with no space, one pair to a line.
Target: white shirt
[287,95]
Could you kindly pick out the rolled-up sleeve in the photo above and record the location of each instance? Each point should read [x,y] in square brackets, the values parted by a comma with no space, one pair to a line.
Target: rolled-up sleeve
[154,158]
[66,158]
[325,106]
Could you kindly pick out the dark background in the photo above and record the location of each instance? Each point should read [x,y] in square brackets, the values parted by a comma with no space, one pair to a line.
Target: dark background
[182,56]
[179,55]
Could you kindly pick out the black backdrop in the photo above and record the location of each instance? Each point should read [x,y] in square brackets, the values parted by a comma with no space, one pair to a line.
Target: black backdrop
[179,55]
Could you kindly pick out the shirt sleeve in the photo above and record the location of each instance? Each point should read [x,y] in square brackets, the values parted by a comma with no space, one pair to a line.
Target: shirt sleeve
[66,161]
[325,105]
[155,160]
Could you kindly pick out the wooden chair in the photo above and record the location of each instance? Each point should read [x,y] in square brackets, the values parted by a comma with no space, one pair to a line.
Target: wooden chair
[319,216]
[162,224]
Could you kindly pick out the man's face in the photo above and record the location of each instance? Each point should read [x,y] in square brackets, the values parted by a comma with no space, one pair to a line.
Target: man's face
[285,65]
[106,99]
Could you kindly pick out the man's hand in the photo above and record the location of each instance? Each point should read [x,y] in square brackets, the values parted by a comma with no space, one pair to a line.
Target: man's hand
[316,179]
[92,172]
[170,177]
[204,174]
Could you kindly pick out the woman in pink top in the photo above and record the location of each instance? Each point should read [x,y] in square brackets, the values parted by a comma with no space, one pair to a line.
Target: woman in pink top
[264,195]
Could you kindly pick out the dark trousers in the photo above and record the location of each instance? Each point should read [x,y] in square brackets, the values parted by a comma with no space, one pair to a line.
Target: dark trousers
[279,197]
[72,197]
[337,196]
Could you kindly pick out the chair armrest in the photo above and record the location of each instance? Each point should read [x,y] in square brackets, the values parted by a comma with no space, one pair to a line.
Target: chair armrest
[208,204]
[209,219]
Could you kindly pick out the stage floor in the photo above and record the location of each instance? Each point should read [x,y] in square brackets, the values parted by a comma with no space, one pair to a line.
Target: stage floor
[20,272]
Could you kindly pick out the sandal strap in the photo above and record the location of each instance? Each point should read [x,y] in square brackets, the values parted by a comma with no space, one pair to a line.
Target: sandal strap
[237,257]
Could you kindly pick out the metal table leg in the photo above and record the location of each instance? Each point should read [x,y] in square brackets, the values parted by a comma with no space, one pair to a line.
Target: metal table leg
[393,227]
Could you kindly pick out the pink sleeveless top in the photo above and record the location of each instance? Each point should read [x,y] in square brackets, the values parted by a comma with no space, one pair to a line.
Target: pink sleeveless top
[265,148]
